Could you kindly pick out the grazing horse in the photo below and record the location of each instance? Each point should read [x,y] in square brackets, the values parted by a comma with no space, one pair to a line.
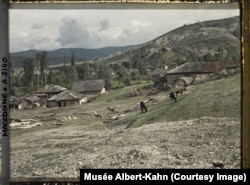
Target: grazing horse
[143,107]
[172,97]
[180,91]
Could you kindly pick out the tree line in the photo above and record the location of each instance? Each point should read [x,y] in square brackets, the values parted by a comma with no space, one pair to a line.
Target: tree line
[37,74]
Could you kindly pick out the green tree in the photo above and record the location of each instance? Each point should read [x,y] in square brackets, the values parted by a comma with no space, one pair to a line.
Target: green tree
[71,75]
[121,73]
[58,78]
[219,55]
[43,67]
[38,61]
[104,72]
[29,70]
[73,59]
[162,61]
[127,81]
[208,57]
[84,72]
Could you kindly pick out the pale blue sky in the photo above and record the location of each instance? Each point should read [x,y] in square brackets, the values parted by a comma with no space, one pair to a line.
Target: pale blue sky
[96,28]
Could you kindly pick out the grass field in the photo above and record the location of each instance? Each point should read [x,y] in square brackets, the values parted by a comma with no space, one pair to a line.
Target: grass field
[220,98]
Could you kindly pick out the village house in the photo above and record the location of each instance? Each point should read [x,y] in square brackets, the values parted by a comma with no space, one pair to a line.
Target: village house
[192,70]
[66,98]
[49,90]
[231,68]
[159,77]
[30,101]
[89,87]
[15,103]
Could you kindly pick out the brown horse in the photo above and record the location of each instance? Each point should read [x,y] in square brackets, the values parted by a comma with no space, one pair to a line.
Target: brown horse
[180,91]
[172,97]
[143,107]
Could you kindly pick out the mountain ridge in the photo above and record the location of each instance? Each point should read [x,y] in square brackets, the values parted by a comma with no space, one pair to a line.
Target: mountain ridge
[218,39]
[63,55]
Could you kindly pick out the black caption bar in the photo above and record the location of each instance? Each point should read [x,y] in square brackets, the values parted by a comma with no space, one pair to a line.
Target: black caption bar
[163,176]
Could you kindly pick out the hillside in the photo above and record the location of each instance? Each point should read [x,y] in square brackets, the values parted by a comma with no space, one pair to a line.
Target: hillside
[200,130]
[217,40]
[211,40]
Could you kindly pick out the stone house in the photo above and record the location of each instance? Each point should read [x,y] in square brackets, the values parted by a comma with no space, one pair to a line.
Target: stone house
[192,70]
[159,77]
[15,103]
[231,68]
[66,98]
[49,90]
[89,87]
[30,101]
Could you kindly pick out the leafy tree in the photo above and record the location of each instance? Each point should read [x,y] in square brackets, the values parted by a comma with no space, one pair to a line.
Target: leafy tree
[142,69]
[104,72]
[179,61]
[219,55]
[73,59]
[51,76]
[193,58]
[71,75]
[126,64]
[57,78]
[94,67]
[38,61]
[208,57]
[127,81]
[162,61]
[29,70]
[121,72]
[138,77]
[43,67]
[84,72]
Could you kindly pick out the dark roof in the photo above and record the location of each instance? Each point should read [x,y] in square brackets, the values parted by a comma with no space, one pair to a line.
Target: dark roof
[51,88]
[88,86]
[32,98]
[15,101]
[196,67]
[66,95]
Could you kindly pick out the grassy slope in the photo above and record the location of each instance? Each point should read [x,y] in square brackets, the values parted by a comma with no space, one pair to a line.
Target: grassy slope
[220,98]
